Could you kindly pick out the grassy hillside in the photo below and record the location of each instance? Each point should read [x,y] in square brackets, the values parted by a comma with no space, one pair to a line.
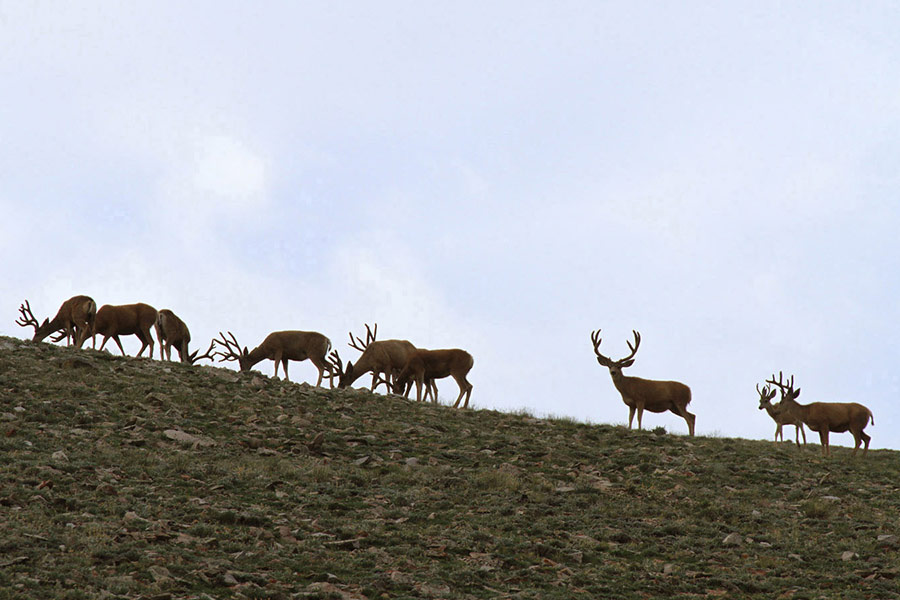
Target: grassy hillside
[125,478]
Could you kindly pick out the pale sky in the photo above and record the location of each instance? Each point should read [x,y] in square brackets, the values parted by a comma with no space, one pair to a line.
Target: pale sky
[502,177]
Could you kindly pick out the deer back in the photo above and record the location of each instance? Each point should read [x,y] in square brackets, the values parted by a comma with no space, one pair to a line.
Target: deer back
[292,345]
[172,329]
[124,319]
[653,393]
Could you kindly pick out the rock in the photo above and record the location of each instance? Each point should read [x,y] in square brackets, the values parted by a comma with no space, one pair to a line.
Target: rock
[412,462]
[849,555]
[186,438]
[831,498]
[888,540]
[60,456]
[668,569]
[733,539]
[362,461]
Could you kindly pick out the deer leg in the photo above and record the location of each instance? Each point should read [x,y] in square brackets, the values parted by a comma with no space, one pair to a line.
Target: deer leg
[778,432]
[631,410]
[284,363]
[119,344]
[823,438]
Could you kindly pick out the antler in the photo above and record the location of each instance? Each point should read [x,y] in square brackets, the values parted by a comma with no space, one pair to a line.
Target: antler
[27,317]
[358,344]
[334,359]
[232,347]
[605,360]
[210,355]
[766,392]
[786,388]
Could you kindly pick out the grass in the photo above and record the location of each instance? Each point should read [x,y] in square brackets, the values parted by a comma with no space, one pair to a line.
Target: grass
[402,500]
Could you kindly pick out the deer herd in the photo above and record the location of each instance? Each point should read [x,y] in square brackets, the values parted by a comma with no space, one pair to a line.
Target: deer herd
[398,364]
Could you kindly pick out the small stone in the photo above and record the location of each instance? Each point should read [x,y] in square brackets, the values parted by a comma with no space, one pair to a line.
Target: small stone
[412,462]
[668,569]
[888,540]
[849,555]
[362,461]
[831,498]
[59,455]
[733,539]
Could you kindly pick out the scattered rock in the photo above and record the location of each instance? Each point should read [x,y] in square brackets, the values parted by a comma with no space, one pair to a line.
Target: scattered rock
[733,539]
[849,555]
[316,444]
[60,456]
[888,540]
[412,462]
[363,461]
[831,498]
[186,438]
[668,569]
[565,489]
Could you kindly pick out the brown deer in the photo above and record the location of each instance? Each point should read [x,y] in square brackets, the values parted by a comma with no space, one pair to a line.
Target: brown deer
[173,332]
[645,394]
[826,417]
[779,414]
[125,319]
[75,317]
[425,366]
[385,356]
[281,346]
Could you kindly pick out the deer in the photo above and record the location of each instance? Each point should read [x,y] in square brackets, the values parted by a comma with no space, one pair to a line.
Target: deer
[174,332]
[779,414]
[645,394]
[826,417]
[424,366]
[281,347]
[384,356]
[75,317]
[113,321]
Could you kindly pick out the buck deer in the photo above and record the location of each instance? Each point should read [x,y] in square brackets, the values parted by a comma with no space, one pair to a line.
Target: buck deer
[281,346]
[125,319]
[826,417]
[425,366]
[174,332]
[645,394]
[75,317]
[779,414]
[385,356]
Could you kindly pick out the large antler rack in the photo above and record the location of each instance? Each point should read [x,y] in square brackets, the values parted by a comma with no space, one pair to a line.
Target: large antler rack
[210,355]
[27,319]
[605,360]
[785,387]
[357,343]
[232,347]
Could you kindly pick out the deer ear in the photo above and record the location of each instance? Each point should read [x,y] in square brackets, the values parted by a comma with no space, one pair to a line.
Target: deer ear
[44,324]
[796,392]
[627,363]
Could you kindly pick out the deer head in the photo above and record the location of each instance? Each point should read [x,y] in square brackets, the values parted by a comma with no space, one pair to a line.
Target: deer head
[765,396]
[41,330]
[615,366]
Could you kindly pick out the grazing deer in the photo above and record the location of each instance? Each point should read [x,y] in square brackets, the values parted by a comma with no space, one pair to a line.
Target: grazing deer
[779,414]
[385,356]
[173,332]
[281,346]
[425,366]
[125,319]
[645,394]
[75,317]
[826,417]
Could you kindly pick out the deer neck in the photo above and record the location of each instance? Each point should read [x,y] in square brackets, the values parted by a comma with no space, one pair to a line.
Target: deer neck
[251,358]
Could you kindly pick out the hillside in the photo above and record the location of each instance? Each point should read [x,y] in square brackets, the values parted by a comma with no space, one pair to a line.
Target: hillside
[129,478]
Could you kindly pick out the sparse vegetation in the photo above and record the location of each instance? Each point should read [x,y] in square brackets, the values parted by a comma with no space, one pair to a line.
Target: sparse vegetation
[131,478]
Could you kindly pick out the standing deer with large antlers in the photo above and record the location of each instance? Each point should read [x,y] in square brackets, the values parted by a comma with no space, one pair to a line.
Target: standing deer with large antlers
[779,414]
[281,346]
[75,317]
[825,417]
[385,356]
[125,319]
[645,394]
